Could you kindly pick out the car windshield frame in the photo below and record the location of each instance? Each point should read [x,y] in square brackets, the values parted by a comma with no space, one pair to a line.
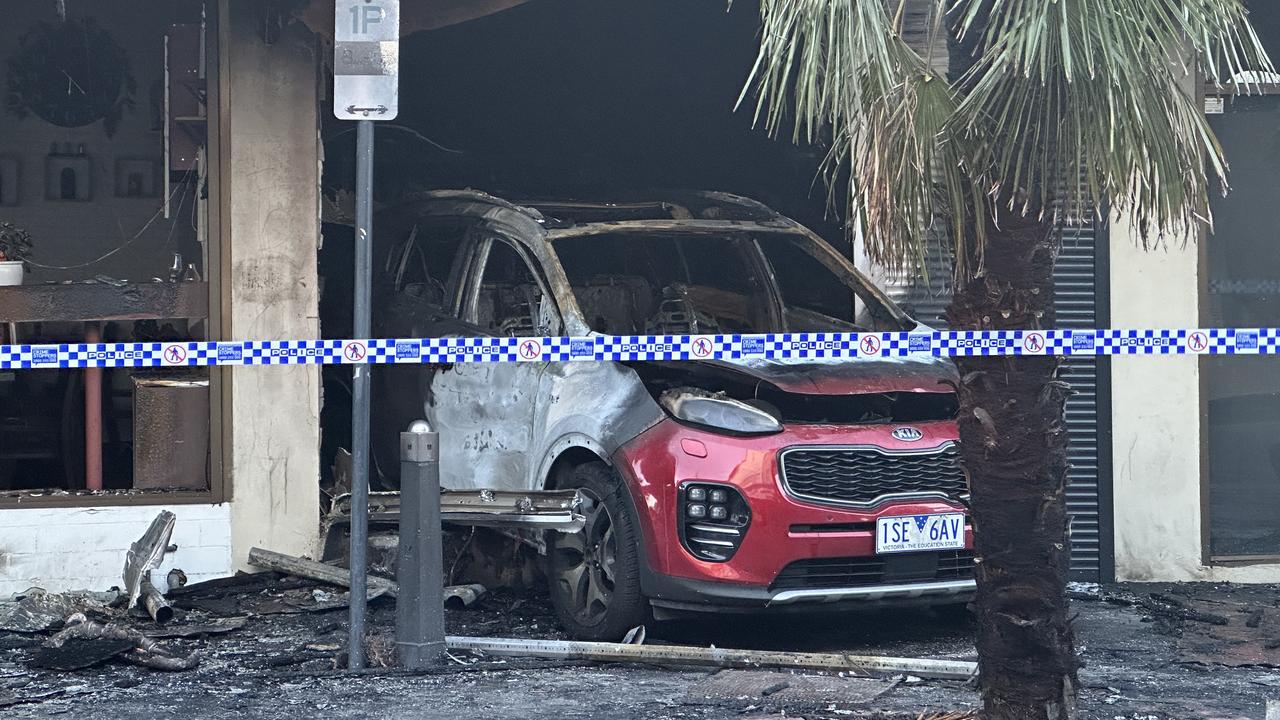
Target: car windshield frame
[877,303]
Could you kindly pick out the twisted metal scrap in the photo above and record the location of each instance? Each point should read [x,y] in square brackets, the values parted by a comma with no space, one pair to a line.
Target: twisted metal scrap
[145,554]
[146,652]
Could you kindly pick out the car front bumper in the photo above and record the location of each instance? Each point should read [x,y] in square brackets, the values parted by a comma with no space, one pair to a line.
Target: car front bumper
[684,594]
[783,529]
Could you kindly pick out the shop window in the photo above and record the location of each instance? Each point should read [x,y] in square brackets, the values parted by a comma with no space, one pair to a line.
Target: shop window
[119,243]
[1243,392]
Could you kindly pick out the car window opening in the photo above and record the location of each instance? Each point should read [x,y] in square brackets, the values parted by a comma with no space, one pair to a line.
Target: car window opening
[511,302]
[712,284]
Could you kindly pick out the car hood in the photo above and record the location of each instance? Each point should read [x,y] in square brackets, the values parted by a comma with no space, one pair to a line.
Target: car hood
[843,376]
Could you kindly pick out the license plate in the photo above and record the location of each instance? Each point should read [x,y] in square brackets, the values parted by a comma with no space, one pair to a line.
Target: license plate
[914,533]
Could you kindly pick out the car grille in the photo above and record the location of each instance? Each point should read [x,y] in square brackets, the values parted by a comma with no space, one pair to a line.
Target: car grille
[863,475]
[831,573]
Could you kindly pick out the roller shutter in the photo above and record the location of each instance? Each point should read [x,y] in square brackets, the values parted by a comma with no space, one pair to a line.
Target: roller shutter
[1079,302]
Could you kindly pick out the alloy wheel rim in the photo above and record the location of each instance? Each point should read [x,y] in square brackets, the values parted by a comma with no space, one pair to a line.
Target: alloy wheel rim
[587,562]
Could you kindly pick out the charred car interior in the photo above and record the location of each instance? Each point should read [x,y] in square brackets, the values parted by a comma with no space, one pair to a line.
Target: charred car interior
[740,486]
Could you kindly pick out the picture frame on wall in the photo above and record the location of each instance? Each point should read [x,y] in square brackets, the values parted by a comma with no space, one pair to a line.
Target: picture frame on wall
[10,181]
[137,178]
[68,178]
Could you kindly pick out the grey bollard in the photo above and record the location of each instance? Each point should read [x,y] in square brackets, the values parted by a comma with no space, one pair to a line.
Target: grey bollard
[420,563]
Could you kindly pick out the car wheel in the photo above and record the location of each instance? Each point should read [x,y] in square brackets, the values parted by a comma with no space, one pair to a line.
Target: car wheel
[595,574]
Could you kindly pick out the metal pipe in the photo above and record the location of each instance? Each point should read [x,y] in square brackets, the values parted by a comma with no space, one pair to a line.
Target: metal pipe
[716,657]
[420,562]
[92,415]
[155,603]
[360,393]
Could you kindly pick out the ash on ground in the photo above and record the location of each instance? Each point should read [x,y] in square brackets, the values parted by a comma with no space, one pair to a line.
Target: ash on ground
[273,647]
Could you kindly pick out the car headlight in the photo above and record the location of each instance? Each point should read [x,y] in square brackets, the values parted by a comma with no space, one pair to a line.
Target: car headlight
[711,410]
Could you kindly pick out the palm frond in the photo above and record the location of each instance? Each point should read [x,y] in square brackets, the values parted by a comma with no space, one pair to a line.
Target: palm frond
[1070,106]
[844,70]
[1079,103]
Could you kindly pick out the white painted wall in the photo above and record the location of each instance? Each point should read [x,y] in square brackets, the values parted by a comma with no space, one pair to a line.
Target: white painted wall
[275,229]
[1156,422]
[84,548]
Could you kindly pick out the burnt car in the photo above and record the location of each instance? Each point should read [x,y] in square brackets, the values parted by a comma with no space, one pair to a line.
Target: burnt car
[709,485]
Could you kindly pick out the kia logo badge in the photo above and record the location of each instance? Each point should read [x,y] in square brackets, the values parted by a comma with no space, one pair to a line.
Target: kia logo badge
[907,434]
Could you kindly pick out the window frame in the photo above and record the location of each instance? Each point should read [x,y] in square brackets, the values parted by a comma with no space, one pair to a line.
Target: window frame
[474,281]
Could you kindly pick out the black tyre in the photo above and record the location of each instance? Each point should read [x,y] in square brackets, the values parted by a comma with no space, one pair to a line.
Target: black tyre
[595,574]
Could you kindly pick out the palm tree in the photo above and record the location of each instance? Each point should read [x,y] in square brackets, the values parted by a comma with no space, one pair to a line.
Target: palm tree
[1052,108]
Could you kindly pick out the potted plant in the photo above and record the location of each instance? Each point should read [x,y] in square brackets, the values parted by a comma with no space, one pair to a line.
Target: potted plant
[15,248]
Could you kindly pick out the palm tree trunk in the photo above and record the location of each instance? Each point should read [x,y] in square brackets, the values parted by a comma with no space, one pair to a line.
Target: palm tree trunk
[1014,449]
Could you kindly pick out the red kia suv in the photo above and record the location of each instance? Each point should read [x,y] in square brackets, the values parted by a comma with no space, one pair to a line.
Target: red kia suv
[744,484]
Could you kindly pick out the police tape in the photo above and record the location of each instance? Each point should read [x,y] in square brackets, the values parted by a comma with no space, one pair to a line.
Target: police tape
[623,348]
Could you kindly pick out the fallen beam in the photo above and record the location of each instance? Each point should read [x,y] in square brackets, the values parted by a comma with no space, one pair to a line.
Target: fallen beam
[323,572]
[454,595]
[715,657]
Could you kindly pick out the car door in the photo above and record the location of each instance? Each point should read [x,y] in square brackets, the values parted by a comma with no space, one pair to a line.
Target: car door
[485,411]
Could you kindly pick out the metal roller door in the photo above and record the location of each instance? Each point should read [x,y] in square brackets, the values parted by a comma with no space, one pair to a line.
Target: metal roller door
[1080,302]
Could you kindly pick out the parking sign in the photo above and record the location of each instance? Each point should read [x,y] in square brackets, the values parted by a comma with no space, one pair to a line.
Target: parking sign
[366,60]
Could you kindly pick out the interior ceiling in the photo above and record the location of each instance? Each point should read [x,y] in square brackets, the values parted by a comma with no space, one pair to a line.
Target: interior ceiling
[415,15]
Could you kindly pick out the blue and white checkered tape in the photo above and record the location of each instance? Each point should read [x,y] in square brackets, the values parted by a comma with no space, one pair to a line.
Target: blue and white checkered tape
[783,346]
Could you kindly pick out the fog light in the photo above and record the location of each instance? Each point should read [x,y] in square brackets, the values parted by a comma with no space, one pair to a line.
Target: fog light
[714,521]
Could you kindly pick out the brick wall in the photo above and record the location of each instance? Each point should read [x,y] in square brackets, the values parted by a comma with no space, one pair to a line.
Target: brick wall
[84,548]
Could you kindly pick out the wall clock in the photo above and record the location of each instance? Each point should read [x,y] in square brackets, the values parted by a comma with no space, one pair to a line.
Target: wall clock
[70,74]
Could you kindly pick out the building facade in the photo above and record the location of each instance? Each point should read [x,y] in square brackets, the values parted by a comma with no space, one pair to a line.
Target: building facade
[217,156]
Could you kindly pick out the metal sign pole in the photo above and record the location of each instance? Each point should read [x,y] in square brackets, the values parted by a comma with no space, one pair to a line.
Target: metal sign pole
[366,67]
[360,393]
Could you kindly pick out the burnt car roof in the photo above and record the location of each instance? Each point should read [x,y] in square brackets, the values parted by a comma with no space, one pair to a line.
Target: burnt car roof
[672,206]
[716,214]
[556,213]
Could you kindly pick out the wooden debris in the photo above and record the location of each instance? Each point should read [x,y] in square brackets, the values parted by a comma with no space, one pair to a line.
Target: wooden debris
[454,596]
[303,567]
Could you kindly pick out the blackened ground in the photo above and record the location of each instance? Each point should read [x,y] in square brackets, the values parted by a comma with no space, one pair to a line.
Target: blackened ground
[282,666]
